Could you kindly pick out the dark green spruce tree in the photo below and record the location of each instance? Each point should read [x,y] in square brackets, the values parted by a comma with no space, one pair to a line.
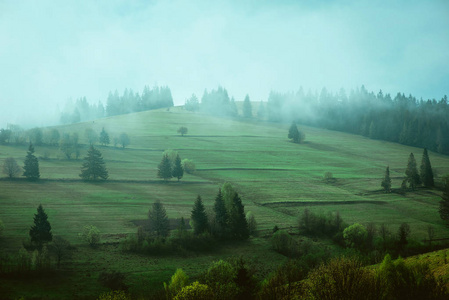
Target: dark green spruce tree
[178,170]
[386,182]
[40,232]
[199,217]
[164,170]
[293,133]
[426,170]
[221,215]
[444,203]
[237,220]
[31,165]
[411,172]
[159,223]
[94,167]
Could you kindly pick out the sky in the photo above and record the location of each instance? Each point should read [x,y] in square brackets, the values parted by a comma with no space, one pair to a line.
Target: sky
[53,51]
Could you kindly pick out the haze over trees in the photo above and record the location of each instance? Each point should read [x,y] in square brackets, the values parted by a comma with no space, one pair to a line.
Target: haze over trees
[401,119]
[150,98]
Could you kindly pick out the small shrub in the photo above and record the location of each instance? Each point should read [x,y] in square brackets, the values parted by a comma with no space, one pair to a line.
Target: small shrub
[195,291]
[91,235]
[177,282]
[355,236]
[282,242]
[329,177]
[188,166]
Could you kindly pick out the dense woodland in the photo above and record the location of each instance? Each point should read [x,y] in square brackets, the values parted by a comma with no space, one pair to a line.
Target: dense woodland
[405,120]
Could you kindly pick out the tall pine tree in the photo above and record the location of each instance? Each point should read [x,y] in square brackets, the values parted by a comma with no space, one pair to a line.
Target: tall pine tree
[426,170]
[178,170]
[386,183]
[237,219]
[164,170]
[221,215]
[199,217]
[40,232]
[31,165]
[94,167]
[159,224]
[411,172]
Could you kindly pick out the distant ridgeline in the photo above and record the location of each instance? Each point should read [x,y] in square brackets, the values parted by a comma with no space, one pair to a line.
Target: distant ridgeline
[129,102]
[405,120]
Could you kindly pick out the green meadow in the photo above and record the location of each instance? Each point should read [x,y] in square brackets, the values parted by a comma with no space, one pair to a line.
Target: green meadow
[275,178]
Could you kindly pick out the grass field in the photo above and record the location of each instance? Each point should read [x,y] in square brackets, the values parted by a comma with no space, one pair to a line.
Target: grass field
[275,178]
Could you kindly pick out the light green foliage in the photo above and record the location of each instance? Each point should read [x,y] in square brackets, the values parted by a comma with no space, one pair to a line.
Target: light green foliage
[188,165]
[342,278]
[228,193]
[355,235]
[195,291]
[91,235]
[220,277]
[177,282]
[415,280]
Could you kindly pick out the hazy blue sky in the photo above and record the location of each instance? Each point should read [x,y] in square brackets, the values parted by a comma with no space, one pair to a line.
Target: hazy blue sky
[51,51]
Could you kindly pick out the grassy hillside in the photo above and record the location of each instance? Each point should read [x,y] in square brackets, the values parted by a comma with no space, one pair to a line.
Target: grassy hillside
[275,178]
